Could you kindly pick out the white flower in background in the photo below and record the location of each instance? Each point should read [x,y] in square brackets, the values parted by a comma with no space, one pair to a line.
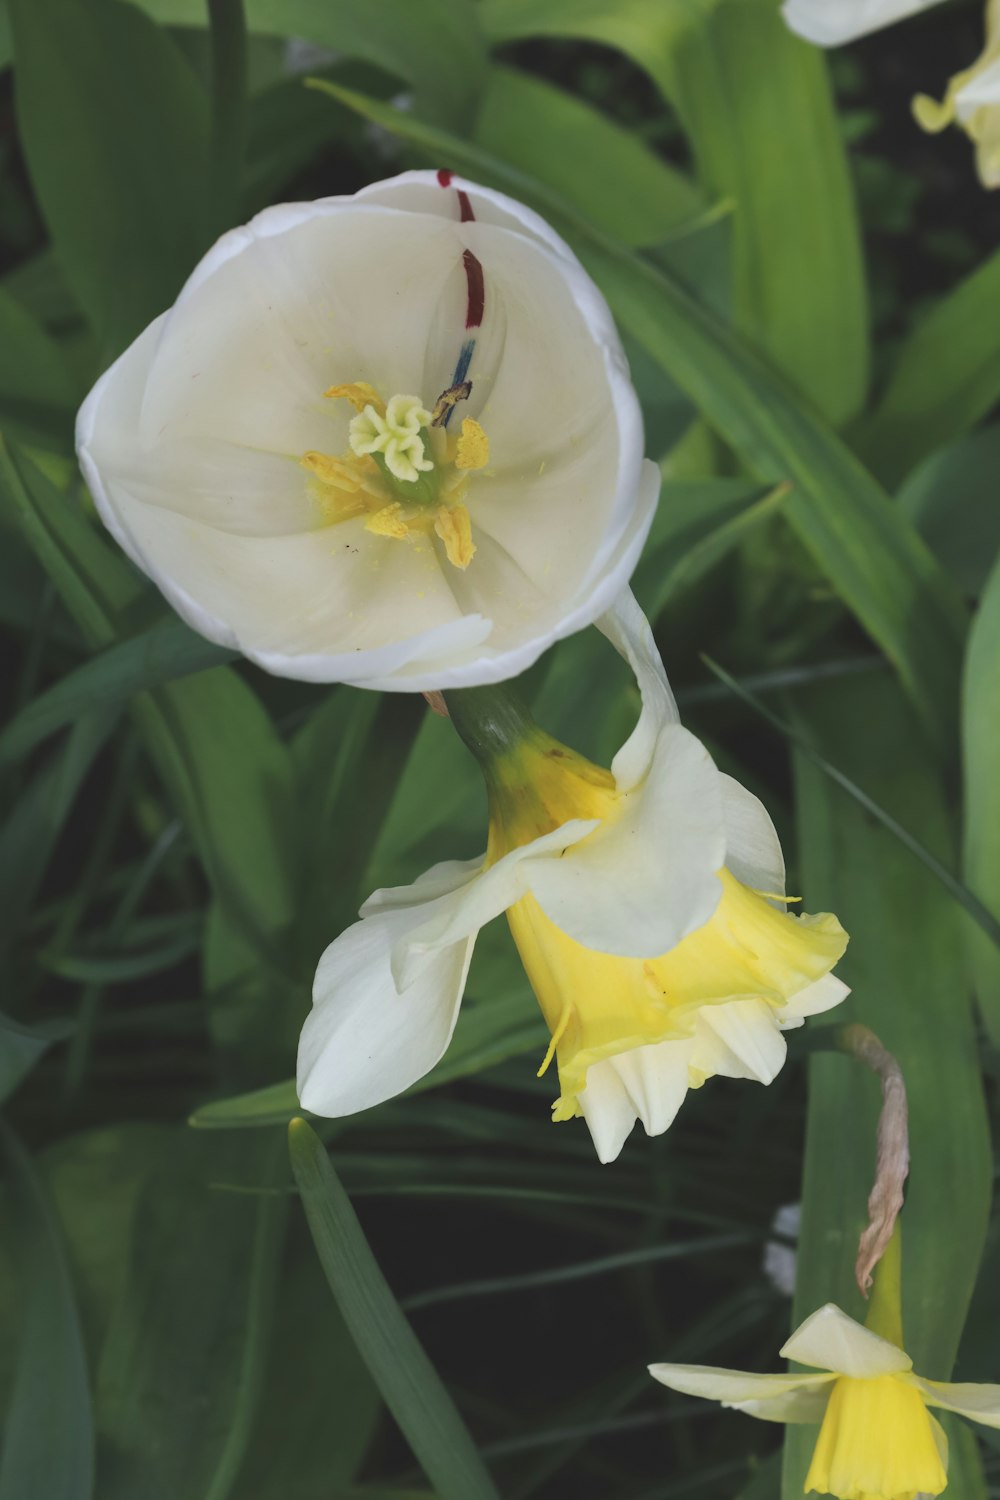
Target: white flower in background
[972,99]
[387,439]
[878,1440]
[646,904]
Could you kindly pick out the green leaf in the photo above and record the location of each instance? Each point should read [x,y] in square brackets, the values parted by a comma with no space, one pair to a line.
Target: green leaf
[905,964]
[184,1359]
[981,764]
[436,46]
[22,1046]
[873,558]
[408,1381]
[214,745]
[48,1451]
[951,500]
[157,656]
[115,130]
[609,175]
[738,78]
[946,377]
[37,395]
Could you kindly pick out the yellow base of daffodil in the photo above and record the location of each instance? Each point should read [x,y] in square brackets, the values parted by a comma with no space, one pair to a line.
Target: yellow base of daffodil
[598,1005]
[877,1442]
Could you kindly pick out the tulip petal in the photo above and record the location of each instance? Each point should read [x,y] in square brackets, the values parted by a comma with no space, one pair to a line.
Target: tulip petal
[647,878]
[979,1403]
[363,1041]
[773,1398]
[753,850]
[830,23]
[830,1340]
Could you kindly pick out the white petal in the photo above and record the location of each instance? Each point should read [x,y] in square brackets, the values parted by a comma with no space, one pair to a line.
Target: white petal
[980,1403]
[753,850]
[464,909]
[830,1340]
[822,994]
[740,1039]
[627,628]
[191,442]
[440,880]
[829,23]
[774,1398]
[655,1079]
[647,877]
[607,1109]
[363,1041]
[982,90]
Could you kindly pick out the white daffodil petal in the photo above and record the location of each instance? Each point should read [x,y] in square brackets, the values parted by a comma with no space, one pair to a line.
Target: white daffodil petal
[773,1398]
[363,1041]
[740,1039]
[440,880]
[647,877]
[830,23]
[830,1340]
[627,628]
[607,1109]
[753,850]
[823,994]
[463,910]
[655,1078]
[980,1403]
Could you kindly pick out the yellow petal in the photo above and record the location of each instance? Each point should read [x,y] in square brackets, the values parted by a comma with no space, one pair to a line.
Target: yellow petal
[473,450]
[454,527]
[876,1441]
[360,394]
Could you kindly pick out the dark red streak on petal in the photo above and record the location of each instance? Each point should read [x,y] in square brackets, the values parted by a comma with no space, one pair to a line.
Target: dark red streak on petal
[477,290]
[465,214]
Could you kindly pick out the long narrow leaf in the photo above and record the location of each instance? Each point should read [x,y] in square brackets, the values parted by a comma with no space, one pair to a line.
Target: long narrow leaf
[401,1370]
[981,761]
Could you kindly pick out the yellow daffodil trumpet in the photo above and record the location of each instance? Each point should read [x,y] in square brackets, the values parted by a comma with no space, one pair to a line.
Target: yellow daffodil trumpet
[647,905]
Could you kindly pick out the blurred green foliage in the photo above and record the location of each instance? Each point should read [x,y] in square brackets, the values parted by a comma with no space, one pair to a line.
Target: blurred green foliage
[809,294]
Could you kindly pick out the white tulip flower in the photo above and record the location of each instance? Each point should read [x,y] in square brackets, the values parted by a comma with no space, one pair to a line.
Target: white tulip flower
[387,439]
[972,98]
[647,906]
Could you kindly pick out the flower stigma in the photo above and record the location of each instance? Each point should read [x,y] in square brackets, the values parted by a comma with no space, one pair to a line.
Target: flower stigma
[405,472]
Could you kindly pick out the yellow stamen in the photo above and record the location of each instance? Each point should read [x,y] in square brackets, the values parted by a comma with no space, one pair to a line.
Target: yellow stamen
[454,527]
[473,450]
[556,1038]
[350,474]
[360,394]
[389,521]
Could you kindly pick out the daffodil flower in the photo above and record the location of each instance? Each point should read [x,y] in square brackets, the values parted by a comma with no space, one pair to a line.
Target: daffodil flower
[972,98]
[387,439]
[878,1439]
[647,906]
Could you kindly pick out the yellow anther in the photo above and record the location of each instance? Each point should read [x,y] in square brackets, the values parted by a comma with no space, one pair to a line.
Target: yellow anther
[343,473]
[389,521]
[454,527]
[360,394]
[473,450]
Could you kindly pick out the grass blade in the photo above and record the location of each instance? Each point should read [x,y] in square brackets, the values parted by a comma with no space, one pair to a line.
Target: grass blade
[408,1381]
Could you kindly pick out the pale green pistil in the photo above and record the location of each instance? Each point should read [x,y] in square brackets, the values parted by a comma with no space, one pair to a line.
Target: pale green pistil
[395,437]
